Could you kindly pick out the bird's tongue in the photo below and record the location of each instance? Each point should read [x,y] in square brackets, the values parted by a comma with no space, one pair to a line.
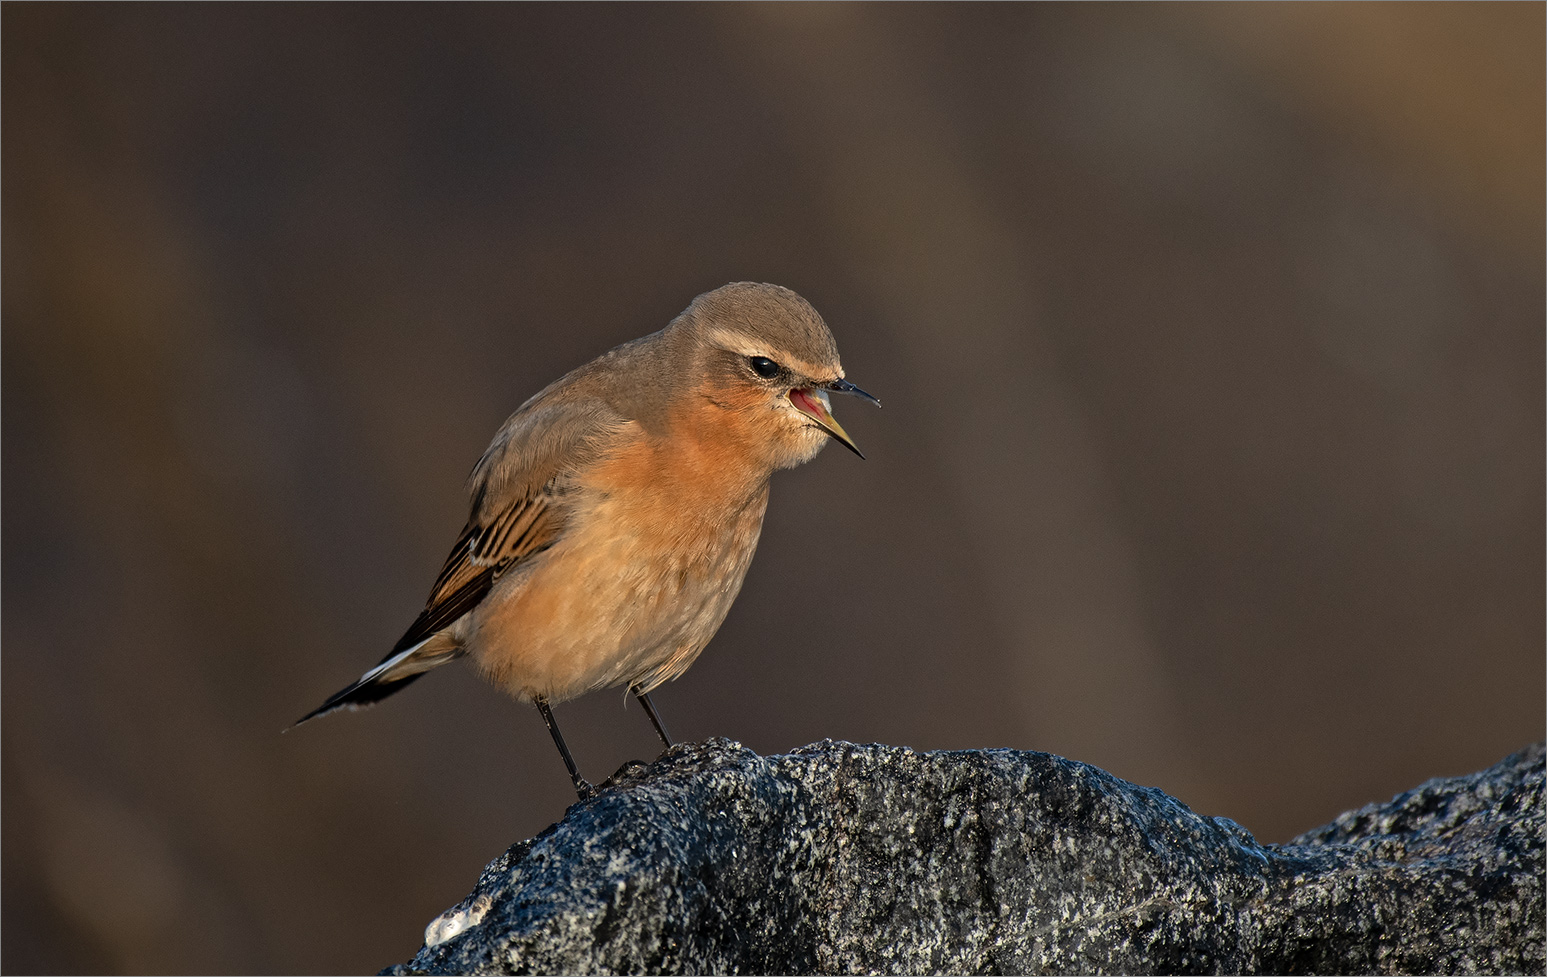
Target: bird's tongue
[809,404]
[813,403]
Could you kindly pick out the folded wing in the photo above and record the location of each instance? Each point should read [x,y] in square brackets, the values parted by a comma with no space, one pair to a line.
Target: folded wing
[518,511]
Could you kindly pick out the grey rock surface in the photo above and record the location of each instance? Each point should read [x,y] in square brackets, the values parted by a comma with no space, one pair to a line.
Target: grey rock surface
[840,858]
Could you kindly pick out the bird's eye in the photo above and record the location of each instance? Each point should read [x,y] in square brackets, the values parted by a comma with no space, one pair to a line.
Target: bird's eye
[763,367]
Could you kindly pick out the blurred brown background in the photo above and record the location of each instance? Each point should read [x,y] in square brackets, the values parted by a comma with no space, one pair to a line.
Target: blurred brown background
[1211,341]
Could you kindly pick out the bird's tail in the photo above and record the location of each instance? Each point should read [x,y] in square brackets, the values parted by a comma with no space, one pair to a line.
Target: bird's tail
[394,673]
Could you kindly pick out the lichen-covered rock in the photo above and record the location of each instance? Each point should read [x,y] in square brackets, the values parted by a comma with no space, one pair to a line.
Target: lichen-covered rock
[841,859]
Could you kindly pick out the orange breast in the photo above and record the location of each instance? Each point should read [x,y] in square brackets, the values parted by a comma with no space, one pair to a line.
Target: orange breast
[655,551]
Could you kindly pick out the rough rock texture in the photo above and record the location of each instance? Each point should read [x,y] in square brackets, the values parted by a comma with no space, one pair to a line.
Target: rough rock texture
[841,858]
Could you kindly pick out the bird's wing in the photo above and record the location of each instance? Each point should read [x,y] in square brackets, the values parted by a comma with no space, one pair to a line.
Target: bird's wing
[519,508]
[483,552]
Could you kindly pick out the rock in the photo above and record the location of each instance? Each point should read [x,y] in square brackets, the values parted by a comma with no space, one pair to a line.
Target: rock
[840,858]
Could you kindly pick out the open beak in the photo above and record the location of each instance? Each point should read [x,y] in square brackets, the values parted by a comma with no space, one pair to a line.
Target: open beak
[813,402]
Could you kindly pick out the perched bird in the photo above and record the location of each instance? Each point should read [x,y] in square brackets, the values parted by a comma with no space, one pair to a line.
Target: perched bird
[615,513]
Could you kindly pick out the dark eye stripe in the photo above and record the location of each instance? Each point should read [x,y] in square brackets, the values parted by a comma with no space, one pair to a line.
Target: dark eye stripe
[763,367]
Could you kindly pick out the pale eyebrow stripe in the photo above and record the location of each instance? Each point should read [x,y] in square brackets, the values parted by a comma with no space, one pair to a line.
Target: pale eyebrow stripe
[741,343]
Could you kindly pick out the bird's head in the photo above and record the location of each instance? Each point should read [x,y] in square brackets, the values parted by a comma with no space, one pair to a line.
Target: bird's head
[765,364]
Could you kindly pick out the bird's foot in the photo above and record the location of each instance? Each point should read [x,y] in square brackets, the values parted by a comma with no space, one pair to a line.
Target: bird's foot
[584,789]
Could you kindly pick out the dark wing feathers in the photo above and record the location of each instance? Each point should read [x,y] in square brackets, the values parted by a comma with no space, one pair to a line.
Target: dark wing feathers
[517,491]
[482,552]
[480,556]
[513,532]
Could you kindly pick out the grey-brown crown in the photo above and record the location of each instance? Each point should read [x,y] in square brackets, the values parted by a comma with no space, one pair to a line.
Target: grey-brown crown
[772,314]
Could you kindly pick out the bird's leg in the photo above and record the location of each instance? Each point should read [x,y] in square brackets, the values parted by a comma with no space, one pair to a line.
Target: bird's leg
[655,718]
[585,790]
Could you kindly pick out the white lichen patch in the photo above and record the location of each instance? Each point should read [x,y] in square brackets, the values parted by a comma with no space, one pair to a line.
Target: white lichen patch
[456,921]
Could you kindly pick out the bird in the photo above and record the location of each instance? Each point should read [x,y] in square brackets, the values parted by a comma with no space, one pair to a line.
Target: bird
[614,515]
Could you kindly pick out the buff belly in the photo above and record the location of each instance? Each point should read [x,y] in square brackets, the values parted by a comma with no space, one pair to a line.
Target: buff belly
[628,607]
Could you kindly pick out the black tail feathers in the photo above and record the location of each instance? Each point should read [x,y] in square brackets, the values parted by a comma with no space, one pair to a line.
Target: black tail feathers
[366,692]
[395,671]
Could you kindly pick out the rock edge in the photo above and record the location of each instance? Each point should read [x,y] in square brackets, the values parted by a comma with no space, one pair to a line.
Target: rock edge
[841,858]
